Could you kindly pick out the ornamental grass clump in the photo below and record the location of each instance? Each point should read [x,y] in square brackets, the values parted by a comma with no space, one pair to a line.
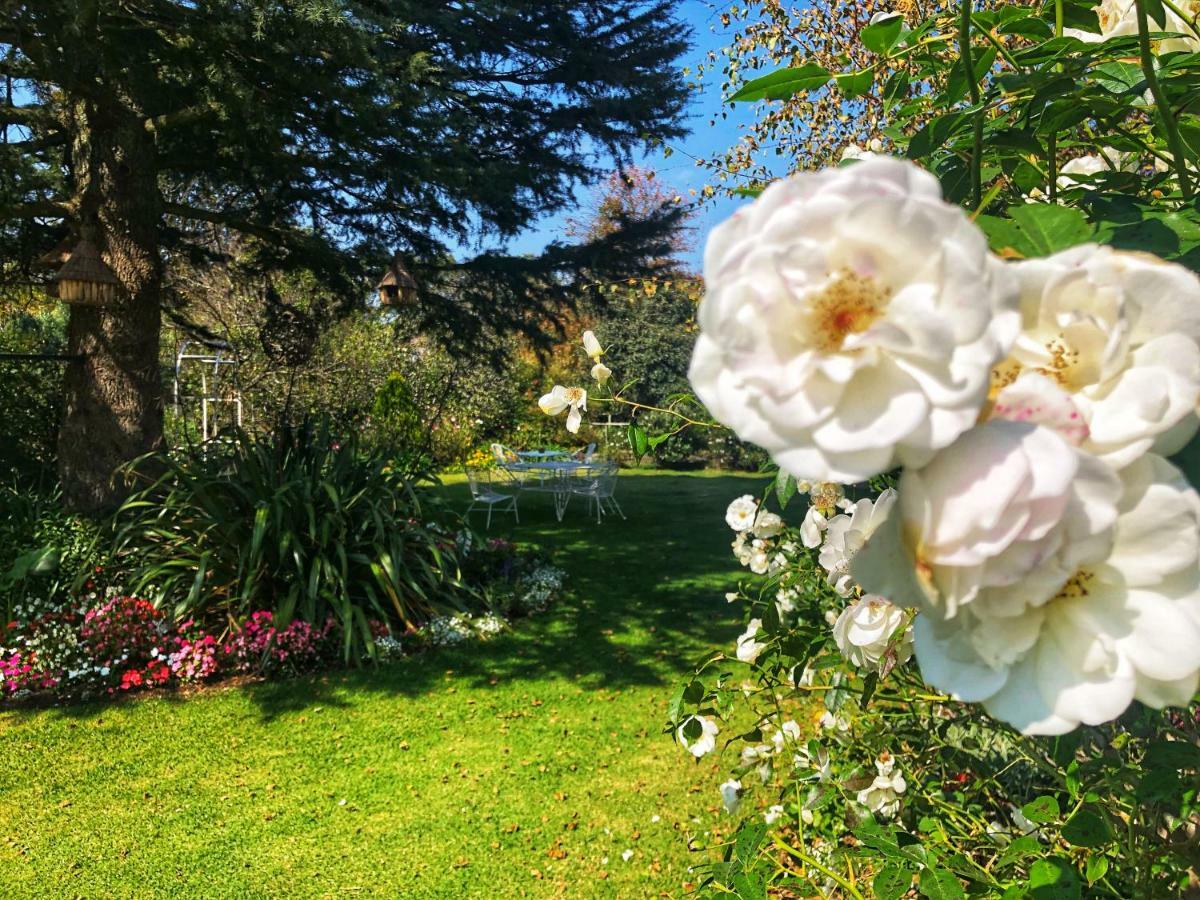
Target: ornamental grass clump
[300,523]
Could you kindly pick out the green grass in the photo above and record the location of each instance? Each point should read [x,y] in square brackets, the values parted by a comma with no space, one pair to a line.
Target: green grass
[505,769]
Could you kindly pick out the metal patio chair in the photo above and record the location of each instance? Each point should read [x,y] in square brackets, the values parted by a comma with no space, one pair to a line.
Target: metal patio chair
[485,496]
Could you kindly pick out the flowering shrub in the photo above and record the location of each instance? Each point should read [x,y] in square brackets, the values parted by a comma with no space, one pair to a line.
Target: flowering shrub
[971,668]
[259,646]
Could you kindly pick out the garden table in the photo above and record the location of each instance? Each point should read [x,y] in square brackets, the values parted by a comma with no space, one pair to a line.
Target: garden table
[553,475]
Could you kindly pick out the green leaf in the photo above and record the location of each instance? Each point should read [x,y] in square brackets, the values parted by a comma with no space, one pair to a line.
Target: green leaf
[1097,868]
[1042,810]
[1172,755]
[1020,849]
[785,488]
[855,84]
[1087,828]
[1048,228]
[868,691]
[882,36]
[892,882]
[748,840]
[1053,879]
[783,84]
[638,442]
[939,884]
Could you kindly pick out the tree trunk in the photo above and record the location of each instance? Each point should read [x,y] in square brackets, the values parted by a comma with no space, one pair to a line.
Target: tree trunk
[114,395]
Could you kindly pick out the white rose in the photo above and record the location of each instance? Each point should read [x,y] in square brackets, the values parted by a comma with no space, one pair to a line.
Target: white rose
[740,513]
[731,795]
[706,742]
[1120,333]
[851,320]
[1119,18]
[1050,590]
[883,795]
[846,534]
[864,631]
[748,648]
[788,731]
[767,524]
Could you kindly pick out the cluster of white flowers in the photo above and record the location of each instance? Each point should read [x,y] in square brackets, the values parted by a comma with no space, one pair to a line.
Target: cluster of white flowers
[854,322]
[882,796]
[573,400]
[445,631]
[388,648]
[540,587]
[754,531]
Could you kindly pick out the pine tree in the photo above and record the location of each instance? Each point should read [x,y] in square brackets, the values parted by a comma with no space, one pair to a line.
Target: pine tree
[328,133]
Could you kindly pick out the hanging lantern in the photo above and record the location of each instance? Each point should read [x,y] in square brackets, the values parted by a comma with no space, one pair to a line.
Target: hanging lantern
[397,285]
[85,280]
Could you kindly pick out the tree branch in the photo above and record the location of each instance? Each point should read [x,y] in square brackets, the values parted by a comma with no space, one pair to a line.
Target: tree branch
[37,209]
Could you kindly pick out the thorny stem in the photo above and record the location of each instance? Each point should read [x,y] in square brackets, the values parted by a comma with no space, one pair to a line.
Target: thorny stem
[964,44]
[1174,140]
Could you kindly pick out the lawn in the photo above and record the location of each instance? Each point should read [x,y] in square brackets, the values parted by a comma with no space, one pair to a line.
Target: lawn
[525,766]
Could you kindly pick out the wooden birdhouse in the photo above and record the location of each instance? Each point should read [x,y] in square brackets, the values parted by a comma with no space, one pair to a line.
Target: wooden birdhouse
[85,280]
[397,285]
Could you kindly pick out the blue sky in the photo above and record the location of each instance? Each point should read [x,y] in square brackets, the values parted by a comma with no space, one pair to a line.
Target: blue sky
[679,171]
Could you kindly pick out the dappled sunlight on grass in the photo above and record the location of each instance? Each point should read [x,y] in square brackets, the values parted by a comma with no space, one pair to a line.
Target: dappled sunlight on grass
[508,768]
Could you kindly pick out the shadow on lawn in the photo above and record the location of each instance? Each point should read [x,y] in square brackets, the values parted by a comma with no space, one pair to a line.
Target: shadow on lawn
[645,601]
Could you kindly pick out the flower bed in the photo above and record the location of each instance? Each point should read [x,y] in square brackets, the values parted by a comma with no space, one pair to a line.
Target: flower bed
[108,643]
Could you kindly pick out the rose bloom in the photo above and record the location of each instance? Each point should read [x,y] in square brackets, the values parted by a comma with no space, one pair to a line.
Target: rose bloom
[1119,17]
[706,742]
[741,512]
[883,795]
[748,648]
[846,534]
[851,320]
[1119,332]
[865,629]
[1051,589]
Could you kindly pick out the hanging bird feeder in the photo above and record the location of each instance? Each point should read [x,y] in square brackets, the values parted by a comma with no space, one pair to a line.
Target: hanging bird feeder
[397,285]
[84,279]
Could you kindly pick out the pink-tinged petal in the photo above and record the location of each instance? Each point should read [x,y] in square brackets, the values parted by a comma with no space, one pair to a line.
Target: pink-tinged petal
[1037,399]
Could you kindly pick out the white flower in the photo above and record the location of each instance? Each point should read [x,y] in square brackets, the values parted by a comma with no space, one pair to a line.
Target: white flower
[864,633]
[839,725]
[1050,590]
[731,795]
[563,398]
[773,813]
[785,601]
[788,731]
[1119,17]
[760,561]
[1120,333]
[851,320]
[591,346]
[819,762]
[748,648]
[601,373]
[883,796]
[741,513]
[767,524]
[812,528]
[627,855]
[731,596]
[846,534]
[706,742]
